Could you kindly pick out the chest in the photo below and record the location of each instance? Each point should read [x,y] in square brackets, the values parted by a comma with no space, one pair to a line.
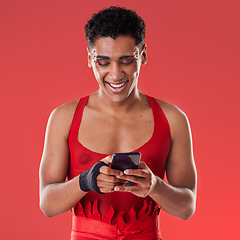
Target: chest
[106,134]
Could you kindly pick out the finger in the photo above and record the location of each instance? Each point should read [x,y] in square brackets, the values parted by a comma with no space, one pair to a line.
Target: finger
[106,190]
[102,184]
[142,165]
[126,189]
[108,178]
[136,172]
[109,171]
[107,159]
[135,179]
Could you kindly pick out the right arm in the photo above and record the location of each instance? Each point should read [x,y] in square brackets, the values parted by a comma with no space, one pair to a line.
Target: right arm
[56,195]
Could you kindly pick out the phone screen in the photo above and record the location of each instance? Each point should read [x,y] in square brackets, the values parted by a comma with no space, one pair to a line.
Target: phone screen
[123,161]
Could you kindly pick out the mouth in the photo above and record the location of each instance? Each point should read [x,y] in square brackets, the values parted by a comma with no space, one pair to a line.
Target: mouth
[117,87]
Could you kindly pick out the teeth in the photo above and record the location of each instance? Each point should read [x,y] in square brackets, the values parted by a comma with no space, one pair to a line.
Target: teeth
[116,85]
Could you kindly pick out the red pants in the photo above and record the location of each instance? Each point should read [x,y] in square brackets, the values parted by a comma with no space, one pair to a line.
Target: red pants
[87,228]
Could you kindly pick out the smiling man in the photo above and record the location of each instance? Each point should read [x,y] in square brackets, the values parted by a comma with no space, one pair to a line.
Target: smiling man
[82,136]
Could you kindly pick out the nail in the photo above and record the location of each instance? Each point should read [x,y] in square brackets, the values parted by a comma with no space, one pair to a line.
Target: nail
[119,175]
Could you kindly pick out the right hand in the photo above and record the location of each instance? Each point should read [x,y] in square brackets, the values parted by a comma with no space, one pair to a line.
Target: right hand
[108,177]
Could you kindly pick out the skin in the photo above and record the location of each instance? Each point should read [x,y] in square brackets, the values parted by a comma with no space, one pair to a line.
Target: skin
[119,122]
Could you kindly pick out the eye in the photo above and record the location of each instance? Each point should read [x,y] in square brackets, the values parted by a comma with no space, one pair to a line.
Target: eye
[102,62]
[128,61]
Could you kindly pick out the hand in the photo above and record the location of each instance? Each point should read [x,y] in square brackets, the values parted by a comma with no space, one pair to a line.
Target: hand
[109,178]
[144,178]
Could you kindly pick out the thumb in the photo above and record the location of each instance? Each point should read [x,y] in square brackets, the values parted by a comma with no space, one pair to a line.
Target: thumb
[143,165]
[107,159]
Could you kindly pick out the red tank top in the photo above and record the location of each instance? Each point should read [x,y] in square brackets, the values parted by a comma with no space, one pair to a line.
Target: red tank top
[118,215]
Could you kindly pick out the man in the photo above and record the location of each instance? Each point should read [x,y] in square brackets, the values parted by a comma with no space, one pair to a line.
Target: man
[83,134]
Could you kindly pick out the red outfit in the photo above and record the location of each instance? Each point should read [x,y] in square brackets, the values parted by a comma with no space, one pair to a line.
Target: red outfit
[118,215]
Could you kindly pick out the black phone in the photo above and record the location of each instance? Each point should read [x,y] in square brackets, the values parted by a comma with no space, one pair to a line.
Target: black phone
[123,161]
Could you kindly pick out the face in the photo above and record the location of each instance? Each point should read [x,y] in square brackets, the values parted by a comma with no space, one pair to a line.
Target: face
[116,66]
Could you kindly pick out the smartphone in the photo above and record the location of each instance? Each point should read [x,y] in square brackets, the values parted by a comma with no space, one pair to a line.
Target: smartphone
[123,161]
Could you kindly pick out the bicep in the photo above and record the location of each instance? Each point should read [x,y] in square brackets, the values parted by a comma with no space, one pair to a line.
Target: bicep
[55,157]
[180,168]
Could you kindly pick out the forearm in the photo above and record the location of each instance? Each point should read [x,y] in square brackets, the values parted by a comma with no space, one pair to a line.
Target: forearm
[177,201]
[57,198]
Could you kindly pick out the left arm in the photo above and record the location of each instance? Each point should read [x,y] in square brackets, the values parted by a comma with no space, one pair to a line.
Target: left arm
[178,196]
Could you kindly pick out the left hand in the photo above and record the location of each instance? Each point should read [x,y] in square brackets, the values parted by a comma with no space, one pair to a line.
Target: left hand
[144,178]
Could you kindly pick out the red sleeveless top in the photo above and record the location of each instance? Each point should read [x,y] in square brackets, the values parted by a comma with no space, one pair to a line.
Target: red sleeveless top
[118,215]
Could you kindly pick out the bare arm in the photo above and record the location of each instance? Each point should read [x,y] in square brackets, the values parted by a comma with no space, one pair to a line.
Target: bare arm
[56,195]
[178,196]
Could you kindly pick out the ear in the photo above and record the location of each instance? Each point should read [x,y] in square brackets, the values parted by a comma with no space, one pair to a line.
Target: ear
[144,54]
[89,58]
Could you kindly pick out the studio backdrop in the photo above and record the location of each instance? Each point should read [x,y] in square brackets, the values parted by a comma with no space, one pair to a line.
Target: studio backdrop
[193,62]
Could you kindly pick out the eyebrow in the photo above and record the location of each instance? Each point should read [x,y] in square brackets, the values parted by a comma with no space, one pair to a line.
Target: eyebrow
[103,57]
[125,57]
[108,58]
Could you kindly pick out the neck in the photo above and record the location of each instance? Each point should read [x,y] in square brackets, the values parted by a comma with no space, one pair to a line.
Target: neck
[116,107]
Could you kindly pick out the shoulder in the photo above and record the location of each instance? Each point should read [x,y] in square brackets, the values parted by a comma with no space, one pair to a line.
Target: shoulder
[61,117]
[65,110]
[171,110]
[177,119]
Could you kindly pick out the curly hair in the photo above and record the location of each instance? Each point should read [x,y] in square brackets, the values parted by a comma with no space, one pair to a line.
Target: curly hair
[113,22]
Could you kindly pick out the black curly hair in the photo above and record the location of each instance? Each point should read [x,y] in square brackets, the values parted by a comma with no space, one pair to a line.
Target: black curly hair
[113,22]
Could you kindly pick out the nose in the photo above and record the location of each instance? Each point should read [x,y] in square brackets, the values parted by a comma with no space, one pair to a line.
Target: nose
[115,73]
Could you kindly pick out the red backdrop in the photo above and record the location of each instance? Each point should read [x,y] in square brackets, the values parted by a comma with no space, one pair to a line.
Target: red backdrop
[193,62]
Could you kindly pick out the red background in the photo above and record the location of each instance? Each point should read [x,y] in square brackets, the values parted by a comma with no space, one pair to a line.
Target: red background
[193,62]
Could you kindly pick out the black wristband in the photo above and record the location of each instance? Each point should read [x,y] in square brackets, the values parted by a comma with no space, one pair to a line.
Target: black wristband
[87,179]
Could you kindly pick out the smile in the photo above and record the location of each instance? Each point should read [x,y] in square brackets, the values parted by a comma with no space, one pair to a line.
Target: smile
[117,85]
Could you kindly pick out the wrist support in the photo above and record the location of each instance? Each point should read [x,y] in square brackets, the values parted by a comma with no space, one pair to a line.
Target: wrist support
[88,179]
